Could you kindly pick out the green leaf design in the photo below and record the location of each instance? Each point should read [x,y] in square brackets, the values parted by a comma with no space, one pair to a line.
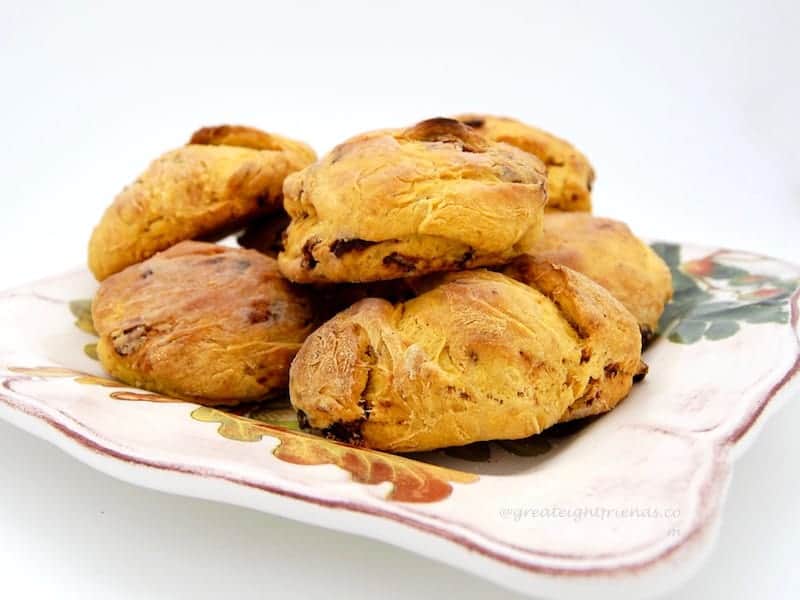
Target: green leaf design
[90,350]
[282,416]
[721,271]
[277,412]
[687,296]
[746,279]
[669,253]
[697,312]
[82,310]
[787,285]
[765,313]
[688,331]
[719,330]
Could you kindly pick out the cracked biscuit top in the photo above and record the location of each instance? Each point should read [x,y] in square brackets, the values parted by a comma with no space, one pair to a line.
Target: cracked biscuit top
[202,322]
[478,356]
[569,174]
[437,196]
[223,177]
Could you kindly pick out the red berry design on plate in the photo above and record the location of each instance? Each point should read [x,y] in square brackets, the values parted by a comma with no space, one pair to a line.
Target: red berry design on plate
[766,293]
[701,267]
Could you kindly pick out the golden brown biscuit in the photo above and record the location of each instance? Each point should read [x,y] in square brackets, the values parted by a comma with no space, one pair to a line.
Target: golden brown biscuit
[265,233]
[193,192]
[478,356]
[611,342]
[250,137]
[569,174]
[399,203]
[607,252]
[206,323]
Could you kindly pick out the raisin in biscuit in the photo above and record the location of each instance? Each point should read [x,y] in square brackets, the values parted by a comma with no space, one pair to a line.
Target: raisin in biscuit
[569,174]
[478,356]
[206,323]
[222,178]
[607,252]
[399,203]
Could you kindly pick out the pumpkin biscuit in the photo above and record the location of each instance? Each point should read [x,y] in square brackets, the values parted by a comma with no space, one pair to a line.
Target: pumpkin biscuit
[201,322]
[478,356]
[569,174]
[607,252]
[223,177]
[399,203]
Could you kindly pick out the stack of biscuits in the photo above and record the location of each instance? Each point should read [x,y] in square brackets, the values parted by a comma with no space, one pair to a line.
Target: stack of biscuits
[413,289]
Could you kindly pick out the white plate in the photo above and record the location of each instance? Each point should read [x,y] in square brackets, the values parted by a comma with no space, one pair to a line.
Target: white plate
[627,504]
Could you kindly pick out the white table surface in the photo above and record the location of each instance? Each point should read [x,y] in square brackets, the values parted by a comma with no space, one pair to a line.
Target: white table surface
[688,113]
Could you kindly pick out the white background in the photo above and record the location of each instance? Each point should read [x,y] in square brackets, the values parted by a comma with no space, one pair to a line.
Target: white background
[689,112]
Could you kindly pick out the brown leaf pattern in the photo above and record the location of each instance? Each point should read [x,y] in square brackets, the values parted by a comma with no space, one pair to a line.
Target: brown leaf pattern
[79,376]
[412,481]
[142,396]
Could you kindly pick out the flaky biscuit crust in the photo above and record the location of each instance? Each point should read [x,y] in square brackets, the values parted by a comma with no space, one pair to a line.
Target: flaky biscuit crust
[611,343]
[195,191]
[608,252]
[206,323]
[399,203]
[570,176]
[478,356]
[250,137]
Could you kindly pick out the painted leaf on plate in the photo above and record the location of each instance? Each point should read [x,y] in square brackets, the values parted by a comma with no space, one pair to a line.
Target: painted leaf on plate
[412,481]
[277,412]
[712,299]
[82,310]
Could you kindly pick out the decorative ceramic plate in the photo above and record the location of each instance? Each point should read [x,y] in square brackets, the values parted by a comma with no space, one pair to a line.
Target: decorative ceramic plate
[629,499]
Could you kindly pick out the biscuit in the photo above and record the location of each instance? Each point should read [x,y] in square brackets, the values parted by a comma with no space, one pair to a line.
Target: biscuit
[607,252]
[478,356]
[399,203]
[202,322]
[611,347]
[569,174]
[193,192]
[250,137]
